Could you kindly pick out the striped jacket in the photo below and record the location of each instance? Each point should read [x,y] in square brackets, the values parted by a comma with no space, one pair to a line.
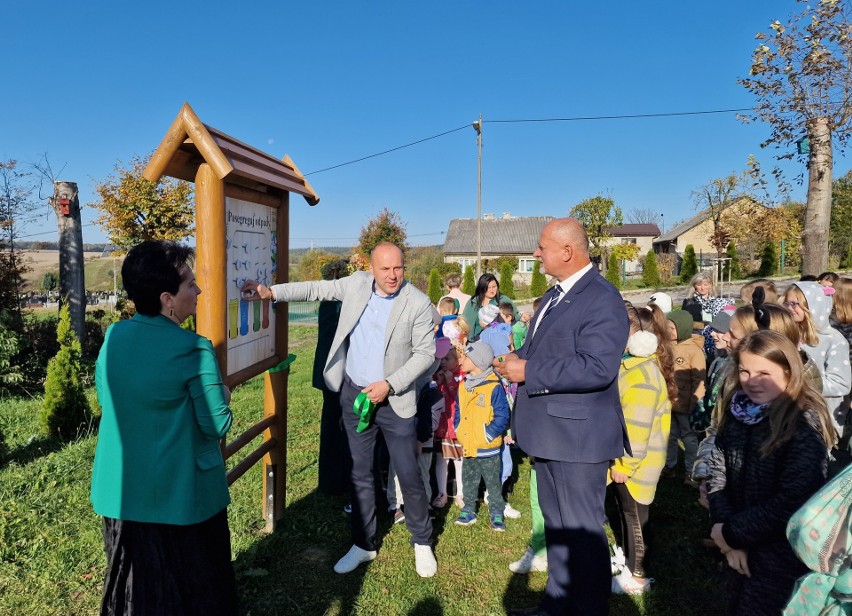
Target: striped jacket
[647,413]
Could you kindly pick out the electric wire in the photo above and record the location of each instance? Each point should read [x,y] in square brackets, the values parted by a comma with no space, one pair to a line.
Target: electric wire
[632,116]
[407,145]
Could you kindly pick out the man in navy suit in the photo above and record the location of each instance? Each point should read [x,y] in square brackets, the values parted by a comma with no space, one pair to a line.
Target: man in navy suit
[568,416]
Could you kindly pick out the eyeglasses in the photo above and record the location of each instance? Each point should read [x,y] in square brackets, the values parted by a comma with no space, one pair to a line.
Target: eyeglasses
[791,304]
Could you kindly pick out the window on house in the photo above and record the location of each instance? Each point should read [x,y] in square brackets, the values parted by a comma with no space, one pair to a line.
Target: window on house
[525,266]
[628,240]
[464,263]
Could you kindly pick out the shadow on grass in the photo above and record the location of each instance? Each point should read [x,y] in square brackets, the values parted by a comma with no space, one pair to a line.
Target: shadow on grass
[39,446]
[427,607]
[291,571]
[34,449]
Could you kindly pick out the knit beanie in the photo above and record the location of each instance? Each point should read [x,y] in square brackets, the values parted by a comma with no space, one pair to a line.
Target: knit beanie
[480,354]
[663,300]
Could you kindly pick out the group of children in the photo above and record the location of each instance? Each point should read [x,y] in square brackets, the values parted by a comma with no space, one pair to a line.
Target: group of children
[755,396]
[767,412]
[463,414]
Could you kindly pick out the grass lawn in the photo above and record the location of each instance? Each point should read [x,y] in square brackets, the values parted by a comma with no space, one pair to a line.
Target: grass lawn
[51,556]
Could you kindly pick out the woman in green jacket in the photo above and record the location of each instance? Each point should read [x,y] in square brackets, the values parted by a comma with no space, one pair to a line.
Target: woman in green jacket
[487,292]
[159,478]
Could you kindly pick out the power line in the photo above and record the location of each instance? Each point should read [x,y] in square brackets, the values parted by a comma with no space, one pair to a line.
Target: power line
[523,120]
[355,238]
[620,117]
[407,145]
[19,237]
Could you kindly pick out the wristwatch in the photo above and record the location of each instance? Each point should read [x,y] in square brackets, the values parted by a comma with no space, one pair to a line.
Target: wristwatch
[391,391]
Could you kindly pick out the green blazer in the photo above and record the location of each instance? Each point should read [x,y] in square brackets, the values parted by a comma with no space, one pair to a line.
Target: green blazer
[163,413]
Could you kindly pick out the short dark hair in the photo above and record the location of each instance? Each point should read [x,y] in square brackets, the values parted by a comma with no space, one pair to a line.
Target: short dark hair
[152,268]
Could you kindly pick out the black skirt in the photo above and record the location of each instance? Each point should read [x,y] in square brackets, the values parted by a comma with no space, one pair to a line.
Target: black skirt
[166,569]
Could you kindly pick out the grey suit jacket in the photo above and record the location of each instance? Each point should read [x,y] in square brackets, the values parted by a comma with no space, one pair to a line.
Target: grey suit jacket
[409,338]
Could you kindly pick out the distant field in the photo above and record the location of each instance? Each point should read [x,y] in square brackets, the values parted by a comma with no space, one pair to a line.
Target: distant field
[98,269]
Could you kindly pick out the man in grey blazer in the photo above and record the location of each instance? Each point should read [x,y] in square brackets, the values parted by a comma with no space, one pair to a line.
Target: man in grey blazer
[383,343]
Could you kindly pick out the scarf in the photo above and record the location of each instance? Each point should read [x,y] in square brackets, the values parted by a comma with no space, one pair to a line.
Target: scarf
[711,305]
[746,411]
[471,381]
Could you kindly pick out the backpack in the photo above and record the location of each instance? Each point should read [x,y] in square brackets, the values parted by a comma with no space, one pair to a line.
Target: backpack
[820,533]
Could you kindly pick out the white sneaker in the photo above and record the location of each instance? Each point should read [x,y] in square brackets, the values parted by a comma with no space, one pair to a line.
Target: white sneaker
[511,513]
[354,557]
[424,561]
[529,562]
[617,559]
[625,584]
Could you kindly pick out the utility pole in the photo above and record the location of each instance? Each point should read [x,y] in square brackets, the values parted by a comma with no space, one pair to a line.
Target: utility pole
[477,126]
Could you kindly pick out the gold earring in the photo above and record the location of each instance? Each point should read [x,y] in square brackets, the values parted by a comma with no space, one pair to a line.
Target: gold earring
[171,312]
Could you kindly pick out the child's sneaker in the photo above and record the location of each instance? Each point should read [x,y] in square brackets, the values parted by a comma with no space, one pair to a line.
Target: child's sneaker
[465,519]
[398,516]
[529,562]
[497,523]
[625,584]
[617,559]
[511,513]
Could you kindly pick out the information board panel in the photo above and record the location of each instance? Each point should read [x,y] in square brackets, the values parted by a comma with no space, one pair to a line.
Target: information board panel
[251,242]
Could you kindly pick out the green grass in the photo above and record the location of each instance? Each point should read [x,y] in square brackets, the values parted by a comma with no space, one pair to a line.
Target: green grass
[51,555]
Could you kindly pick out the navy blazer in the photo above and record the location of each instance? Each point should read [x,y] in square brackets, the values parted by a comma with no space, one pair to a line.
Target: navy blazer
[569,409]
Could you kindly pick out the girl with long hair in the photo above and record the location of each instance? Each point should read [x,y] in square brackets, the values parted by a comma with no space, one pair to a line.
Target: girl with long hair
[645,383]
[841,320]
[810,303]
[770,455]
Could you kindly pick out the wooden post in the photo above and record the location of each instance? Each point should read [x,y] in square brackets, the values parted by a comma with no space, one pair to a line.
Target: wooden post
[275,392]
[210,266]
[72,284]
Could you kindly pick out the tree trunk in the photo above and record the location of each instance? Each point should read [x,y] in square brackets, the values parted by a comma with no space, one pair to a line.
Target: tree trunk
[818,211]
[72,286]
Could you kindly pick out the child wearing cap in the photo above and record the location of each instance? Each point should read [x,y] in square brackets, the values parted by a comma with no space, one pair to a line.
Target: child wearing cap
[481,419]
[662,300]
[717,373]
[498,335]
[690,371]
[484,317]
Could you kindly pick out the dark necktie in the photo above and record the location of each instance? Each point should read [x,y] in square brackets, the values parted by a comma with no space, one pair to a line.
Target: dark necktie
[554,299]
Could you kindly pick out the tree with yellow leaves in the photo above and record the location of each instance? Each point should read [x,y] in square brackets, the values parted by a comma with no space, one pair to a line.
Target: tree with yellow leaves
[134,210]
[801,79]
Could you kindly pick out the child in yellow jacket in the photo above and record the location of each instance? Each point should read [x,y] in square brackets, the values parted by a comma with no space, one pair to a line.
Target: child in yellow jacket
[643,387]
[481,420]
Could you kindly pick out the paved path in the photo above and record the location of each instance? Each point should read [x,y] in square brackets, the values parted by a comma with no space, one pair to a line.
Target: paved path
[640,297]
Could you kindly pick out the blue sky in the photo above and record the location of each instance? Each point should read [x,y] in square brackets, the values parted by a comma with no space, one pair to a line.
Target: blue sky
[328,82]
